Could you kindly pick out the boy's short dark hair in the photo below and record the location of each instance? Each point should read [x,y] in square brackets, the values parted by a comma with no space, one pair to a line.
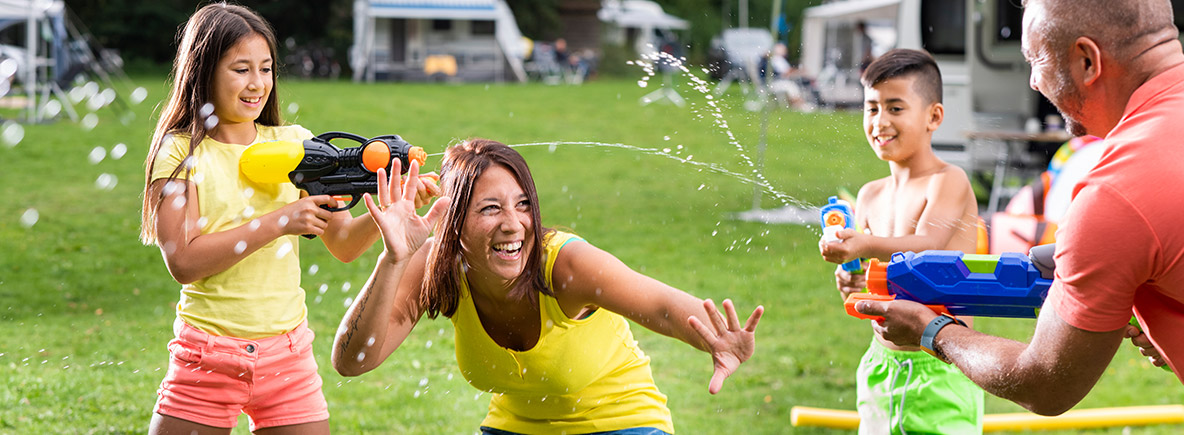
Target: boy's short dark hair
[903,62]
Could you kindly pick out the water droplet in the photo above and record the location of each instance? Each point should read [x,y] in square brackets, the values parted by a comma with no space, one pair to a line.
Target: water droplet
[323,288]
[240,247]
[423,382]
[202,221]
[283,220]
[248,212]
[248,192]
[312,270]
[139,95]
[348,302]
[8,67]
[293,108]
[254,225]
[285,249]
[370,342]
[29,218]
[90,121]
[97,154]
[345,287]
[211,122]
[178,202]
[361,356]
[13,133]
[118,151]
[206,110]
[643,83]
[106,181]
[52,108]
[428,344]
[77,93]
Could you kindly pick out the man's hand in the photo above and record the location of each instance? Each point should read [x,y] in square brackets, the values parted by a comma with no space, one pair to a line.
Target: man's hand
[903,323]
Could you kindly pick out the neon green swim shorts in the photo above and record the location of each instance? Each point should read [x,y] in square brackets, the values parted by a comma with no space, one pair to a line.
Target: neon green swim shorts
[913,392]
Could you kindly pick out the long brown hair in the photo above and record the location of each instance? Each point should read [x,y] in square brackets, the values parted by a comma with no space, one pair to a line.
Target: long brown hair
[463,164]
[201,43]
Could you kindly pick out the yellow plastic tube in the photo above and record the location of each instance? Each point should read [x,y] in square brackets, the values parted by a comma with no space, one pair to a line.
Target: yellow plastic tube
[1075,419]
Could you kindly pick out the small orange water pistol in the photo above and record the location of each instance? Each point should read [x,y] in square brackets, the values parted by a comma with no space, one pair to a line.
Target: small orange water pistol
[320,168]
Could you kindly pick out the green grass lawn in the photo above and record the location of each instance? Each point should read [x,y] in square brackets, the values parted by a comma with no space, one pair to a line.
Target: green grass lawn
[87,310]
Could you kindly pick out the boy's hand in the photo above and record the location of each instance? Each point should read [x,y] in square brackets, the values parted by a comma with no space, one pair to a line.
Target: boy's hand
[849,283]
[1140,340]
[847,248]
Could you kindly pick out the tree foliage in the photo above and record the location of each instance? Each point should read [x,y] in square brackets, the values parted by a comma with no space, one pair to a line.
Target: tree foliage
[147,30]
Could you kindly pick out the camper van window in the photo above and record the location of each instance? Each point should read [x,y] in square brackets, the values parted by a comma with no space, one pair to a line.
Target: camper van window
[943,26]
[439,25]
[482,28]
[1011,18]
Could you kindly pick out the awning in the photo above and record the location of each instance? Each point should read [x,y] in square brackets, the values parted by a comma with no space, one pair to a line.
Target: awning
[855,10]
[639,14]
[435,9]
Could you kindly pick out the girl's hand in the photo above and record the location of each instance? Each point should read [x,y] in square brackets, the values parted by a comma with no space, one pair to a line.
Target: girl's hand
[428,189]
[729,343]
[305,215]
[403,231]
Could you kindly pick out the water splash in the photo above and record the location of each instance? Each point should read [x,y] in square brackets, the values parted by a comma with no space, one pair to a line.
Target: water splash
[666,153]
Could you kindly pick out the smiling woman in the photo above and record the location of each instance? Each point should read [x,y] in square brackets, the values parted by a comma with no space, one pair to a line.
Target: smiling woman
[539,314]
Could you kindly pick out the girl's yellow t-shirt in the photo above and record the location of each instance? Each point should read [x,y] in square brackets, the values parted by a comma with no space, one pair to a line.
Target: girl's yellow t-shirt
[259,296]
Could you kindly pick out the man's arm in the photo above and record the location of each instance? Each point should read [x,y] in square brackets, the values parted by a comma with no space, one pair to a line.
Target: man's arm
[1047,376]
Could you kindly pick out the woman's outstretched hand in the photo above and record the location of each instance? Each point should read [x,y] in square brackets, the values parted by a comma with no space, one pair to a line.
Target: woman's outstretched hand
[729,343]
[403,231]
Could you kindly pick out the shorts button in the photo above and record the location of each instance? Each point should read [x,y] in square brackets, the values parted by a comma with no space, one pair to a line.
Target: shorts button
[250,348]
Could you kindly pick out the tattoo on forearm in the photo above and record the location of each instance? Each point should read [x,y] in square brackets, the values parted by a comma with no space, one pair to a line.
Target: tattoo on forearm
[357,316]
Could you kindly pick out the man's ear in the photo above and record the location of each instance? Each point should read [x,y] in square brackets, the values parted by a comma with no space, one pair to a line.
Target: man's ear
[1085,61]
[937,113]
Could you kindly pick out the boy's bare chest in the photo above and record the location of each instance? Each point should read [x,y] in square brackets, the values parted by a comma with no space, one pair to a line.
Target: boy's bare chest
[895,213]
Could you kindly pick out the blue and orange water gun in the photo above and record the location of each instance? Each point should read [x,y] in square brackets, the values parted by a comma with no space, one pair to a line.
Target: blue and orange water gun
[836,215]
[960,284]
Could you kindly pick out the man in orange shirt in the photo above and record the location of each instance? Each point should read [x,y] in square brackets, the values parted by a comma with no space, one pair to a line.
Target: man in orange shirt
[1114,68]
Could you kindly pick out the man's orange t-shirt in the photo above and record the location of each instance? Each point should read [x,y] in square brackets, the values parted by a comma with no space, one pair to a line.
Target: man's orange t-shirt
[1121,245]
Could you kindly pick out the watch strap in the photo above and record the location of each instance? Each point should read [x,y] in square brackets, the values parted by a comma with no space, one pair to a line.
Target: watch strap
[930,333]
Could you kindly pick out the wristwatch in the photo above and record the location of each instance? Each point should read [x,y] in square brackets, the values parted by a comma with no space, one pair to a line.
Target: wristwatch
[930,333]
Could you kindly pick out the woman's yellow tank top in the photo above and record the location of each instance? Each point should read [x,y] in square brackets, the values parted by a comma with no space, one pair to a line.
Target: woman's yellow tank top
[583,375]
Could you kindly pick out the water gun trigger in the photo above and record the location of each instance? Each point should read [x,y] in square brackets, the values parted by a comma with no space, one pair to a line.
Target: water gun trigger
[853,299]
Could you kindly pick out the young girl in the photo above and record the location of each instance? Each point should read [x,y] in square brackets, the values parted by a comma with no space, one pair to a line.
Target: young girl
[539,314]
[242,342]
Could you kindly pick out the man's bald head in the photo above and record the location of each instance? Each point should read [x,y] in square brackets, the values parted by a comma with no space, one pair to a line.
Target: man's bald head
[1119,27]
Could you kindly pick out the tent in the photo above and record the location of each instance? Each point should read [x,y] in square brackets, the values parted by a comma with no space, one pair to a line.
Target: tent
[56,52]
[640,18]
[419,39]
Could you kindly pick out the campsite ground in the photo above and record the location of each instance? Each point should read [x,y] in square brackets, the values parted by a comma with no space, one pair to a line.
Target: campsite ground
[87,309]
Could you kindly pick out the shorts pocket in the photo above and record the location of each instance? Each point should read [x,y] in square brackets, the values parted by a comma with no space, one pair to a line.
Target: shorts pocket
[185,352]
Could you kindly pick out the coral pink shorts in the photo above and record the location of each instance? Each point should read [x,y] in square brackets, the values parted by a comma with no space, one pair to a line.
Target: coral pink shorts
[212,379]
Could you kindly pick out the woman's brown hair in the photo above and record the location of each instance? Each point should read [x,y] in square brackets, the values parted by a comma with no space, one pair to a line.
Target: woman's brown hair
[463,164]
